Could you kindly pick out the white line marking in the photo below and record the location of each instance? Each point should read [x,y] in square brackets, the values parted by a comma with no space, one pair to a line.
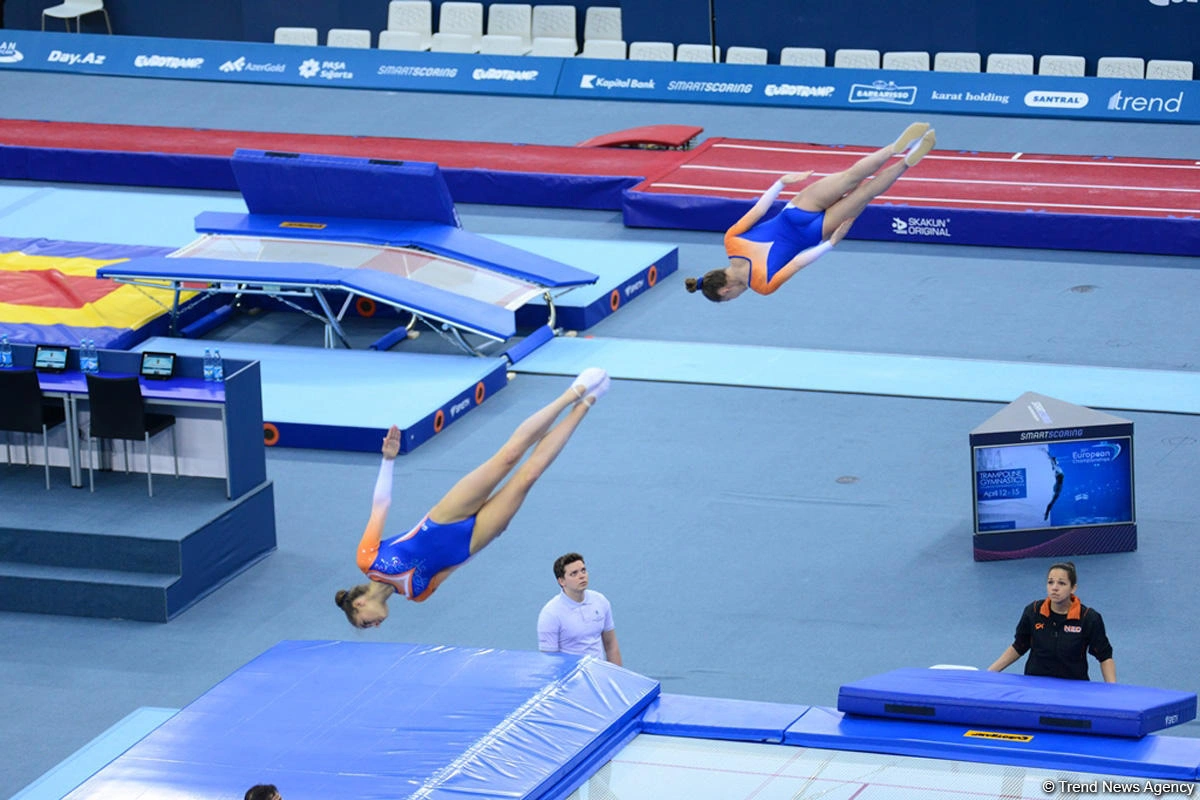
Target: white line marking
[964,181]
[1015,156]
[955,202]
[1000,159]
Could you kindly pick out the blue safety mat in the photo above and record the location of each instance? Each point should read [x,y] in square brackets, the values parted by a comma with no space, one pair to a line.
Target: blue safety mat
[870,373]
[1154,756]
[626,270]
[974,697]
[719,718]
[342,186]
[400,203]
[331,719]
[351,397]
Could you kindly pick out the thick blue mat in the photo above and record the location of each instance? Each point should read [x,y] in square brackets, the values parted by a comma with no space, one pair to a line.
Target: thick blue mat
[350,397]
[376,720]
[974,697]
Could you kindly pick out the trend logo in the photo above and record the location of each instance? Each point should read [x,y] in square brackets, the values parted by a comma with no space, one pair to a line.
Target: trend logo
[1126,102]
[9,54]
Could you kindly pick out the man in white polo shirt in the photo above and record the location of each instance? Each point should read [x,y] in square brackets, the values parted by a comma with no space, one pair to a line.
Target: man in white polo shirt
[577,620]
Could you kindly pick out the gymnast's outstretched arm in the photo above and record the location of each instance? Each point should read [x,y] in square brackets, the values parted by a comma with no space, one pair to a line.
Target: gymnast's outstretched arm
[381,501]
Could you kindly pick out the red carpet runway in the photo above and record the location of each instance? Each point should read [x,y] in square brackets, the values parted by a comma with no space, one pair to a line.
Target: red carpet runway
[996,199]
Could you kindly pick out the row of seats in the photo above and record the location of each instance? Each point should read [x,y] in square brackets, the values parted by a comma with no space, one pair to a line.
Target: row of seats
[549,30]
[512,29]
[1007,63]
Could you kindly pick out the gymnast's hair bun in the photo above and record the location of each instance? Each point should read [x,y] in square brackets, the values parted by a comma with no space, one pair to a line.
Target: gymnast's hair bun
[339,597]
[690,284]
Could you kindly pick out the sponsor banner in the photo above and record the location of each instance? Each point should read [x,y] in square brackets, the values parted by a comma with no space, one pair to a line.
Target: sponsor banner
[927,92]
[737,84]
[255,62]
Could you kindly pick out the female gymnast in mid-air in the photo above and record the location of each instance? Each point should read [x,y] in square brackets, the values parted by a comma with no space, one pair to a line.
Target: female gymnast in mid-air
[763,254]
[468,518]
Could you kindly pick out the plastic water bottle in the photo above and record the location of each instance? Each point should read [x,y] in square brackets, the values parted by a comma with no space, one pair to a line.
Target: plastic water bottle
[6,358]
[218,371]
[88,358]
[208,364]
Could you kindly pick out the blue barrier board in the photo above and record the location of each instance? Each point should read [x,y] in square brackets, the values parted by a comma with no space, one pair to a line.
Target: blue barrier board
[739,84]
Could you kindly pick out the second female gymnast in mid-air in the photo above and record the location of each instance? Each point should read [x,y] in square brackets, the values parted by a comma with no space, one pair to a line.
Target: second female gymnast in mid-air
[471,515]
[764,253]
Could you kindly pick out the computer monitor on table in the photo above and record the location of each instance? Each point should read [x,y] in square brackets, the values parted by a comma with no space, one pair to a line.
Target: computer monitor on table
[50,358]
[157,366]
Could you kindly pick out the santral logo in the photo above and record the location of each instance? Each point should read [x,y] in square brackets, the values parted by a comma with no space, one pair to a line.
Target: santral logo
[1043,99]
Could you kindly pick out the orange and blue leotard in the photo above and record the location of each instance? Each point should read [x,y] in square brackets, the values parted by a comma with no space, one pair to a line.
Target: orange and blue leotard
[771,244]
[416,562]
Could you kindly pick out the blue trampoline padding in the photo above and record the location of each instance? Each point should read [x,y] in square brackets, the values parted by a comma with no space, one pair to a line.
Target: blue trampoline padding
[342,186]
[976,697]
[425,300]
[719,718]
[1025,228]
[1154,756]
[382,720]
[444,240]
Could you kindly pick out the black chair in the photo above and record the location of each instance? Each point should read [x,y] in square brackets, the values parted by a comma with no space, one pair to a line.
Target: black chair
[23,409]
[118,411]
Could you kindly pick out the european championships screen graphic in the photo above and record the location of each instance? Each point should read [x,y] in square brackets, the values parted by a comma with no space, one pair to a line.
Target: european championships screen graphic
[1063,484]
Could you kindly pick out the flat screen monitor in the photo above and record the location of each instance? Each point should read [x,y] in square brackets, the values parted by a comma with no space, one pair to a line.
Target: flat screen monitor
[158,366]
[50,358]
[1062,484]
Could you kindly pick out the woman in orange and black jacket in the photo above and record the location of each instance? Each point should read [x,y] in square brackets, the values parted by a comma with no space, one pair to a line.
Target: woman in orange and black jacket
[1059,632]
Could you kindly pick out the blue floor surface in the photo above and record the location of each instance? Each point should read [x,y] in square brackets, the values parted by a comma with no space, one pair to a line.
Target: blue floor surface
[870,373]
